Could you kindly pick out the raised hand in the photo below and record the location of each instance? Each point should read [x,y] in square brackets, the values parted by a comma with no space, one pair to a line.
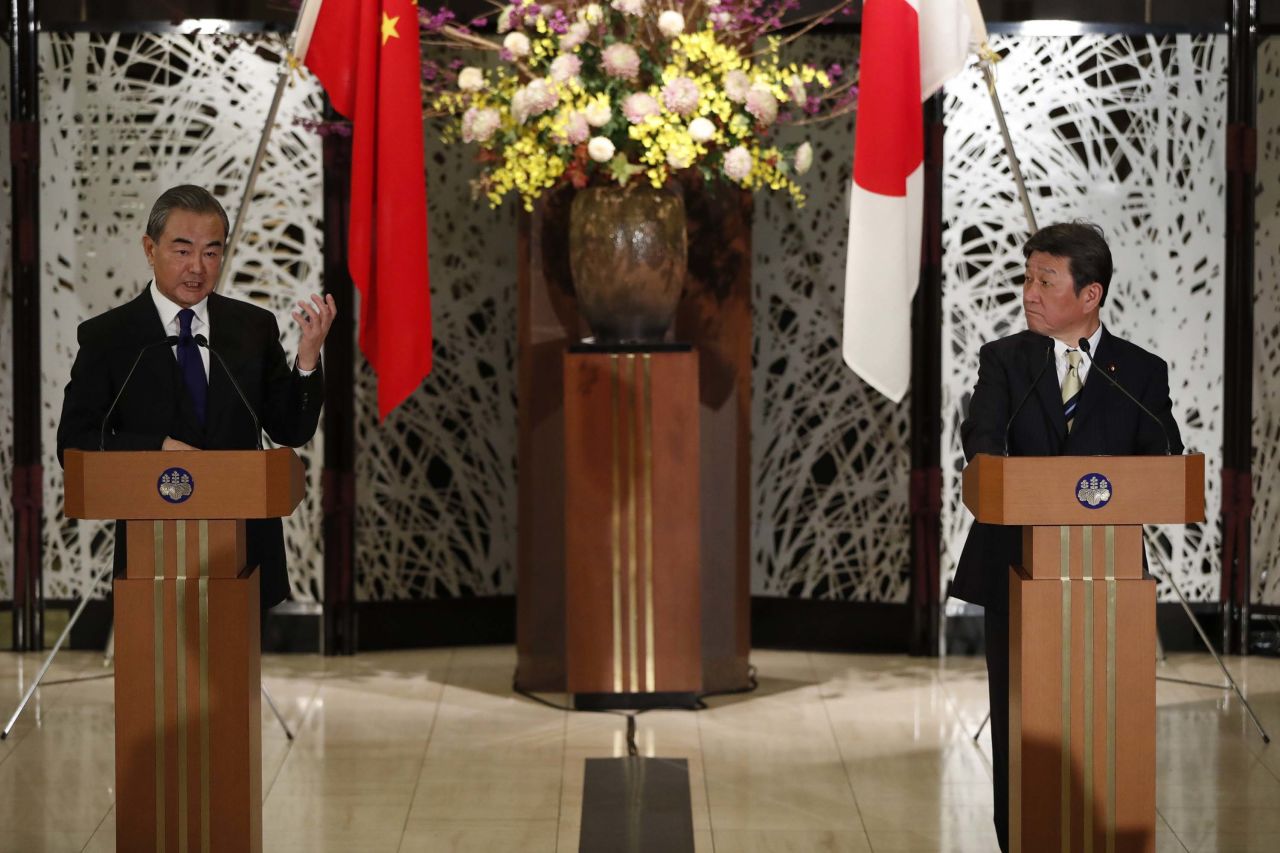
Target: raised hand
[315,317]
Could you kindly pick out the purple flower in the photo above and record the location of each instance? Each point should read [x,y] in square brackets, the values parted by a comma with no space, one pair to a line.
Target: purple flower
[681,96]
[621,60]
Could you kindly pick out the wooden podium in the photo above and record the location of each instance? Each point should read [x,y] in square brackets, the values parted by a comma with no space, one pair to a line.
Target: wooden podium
[188,727]
[1082,647]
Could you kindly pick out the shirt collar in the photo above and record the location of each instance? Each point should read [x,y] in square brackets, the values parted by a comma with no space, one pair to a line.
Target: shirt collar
[1060,349]
[169,309]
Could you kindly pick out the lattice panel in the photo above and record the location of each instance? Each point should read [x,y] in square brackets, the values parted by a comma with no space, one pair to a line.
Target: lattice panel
[6,346]
[1126,131]
[1266,333]
[124,116]
[831,459]
[436,483]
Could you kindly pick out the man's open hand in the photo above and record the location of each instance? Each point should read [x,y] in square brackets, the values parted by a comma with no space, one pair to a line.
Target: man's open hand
[315,317]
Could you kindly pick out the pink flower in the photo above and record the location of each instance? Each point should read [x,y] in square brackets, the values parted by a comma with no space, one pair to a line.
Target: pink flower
[621,60]
[478,125]
[639,106]
[576,129]
[576,35]
[565,67]
[762,104]
[681,96]
[737,163]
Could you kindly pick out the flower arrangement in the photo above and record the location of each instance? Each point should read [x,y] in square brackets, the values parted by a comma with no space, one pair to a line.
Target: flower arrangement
[631,91]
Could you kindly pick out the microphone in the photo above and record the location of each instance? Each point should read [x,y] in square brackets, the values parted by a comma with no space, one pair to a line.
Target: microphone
[202,341]
[102,430]
[1168,445]
[1048,357]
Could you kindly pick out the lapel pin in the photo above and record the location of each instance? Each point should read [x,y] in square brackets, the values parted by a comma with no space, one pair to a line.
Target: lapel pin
[1111,367]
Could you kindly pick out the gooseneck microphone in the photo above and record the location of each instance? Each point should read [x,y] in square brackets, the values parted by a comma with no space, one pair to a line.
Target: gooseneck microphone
[1008,428]
[202,341]
[1168,445]
[172,340]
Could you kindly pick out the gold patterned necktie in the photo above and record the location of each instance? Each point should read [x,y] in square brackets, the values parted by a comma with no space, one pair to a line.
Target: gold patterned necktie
[1071,387]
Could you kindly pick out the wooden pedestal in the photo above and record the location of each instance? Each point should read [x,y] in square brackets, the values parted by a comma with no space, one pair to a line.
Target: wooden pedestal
[632,580]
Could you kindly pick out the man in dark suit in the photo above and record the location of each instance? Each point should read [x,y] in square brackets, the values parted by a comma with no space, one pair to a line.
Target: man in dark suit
[180,399]
[1069,411]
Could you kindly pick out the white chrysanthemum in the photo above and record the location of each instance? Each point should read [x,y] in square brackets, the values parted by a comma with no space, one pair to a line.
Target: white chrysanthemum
[504,20]
[516,44]
[471,79]
[600,149]
[736,85]
[629,7]
[598,113]
[480,125]
[591,13]
[795,88]
[762,104]
[737,163]
[804,158]
[701,129]
[671,23]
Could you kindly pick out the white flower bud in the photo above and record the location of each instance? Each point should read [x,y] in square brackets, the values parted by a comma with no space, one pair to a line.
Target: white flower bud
[701,129]
[517,44]
[671,23]
[600,149]
[471,79]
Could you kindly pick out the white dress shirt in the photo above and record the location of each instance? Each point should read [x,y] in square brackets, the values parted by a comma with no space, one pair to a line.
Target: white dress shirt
[199,323]
[1060,351]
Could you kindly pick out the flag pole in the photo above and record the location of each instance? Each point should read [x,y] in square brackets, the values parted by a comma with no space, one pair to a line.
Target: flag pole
[298,37]
[987,60]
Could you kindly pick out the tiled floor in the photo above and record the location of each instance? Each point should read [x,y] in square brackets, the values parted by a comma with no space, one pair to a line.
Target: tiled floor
[430,751]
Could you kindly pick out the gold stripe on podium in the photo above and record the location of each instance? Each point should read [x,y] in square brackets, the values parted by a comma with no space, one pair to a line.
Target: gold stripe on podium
[1110,820]
[205,829]
[633,559]
[1065,547]
[1087,555]
[615,520]
[157,639]
[649,655]
[180,688]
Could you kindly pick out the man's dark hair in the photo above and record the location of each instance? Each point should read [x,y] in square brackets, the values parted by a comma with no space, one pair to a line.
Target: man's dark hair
[185,197]
[1083,245]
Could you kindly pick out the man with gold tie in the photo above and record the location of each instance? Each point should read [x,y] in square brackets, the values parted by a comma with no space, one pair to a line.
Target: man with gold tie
[1035,397]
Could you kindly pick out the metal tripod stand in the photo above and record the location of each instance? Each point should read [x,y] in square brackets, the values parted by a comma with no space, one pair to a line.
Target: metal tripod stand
[57,647]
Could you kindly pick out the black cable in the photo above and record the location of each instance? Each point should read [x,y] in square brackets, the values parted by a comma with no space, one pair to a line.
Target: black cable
[632,749]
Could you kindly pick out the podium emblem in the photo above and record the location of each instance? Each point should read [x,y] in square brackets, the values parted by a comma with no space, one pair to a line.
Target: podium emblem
[176,485]
[1094,491]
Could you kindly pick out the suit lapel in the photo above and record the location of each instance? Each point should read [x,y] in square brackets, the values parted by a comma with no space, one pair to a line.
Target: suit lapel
[221,394]
[1049,392]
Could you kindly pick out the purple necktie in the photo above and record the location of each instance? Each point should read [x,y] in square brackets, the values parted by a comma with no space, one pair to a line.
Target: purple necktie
[190,364]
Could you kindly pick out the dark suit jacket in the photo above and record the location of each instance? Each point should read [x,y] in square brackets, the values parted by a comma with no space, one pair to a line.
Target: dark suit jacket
[156,403]
[1106,423]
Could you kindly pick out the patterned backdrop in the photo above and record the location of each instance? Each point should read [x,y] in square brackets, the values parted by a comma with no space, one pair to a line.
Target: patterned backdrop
[122,118]
[1127,131]
[6,347]
[1266,334]
[831,457]
[436,483]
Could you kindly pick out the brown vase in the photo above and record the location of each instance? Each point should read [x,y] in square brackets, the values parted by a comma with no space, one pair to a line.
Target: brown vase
[628,256]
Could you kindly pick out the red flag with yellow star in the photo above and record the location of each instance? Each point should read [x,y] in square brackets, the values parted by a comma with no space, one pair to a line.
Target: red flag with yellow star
[366,55]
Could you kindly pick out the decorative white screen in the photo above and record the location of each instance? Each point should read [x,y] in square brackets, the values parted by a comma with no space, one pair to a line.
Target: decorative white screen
[1126,131]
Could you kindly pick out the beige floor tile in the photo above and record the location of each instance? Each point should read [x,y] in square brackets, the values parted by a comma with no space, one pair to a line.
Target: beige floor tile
[800,796]
[928,841]
[41,841]
[478,788]
[333,823]
[791,841]
[485,836]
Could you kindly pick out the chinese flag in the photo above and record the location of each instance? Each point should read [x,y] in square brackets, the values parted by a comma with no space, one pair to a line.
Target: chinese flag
[365,53]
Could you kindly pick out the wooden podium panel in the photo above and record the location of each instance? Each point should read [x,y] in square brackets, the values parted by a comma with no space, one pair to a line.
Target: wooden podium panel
[1082,715]
[188,718]
[632,580]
